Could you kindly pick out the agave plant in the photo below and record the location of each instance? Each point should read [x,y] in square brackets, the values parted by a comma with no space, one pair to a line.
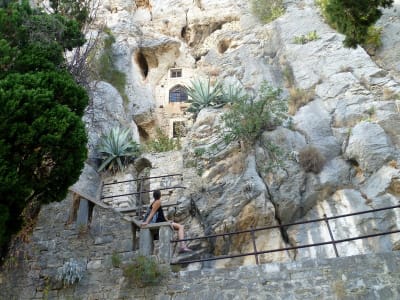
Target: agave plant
[232,93]
[117,149]
[202,94]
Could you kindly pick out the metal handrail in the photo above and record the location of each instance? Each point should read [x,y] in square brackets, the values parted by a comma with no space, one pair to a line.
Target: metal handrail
[256,253]
[142,178]
[143,192]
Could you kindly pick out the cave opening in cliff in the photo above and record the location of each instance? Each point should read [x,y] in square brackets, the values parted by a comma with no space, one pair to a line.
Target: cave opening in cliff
[143,65]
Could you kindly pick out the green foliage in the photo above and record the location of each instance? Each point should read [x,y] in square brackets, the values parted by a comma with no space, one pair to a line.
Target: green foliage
[275,156]
[42,137]
[202,94]
[162,143]
[117,148]
[199,151]
[248,118]
[115,260]
[104,67]
[144,271]
[353,17]
[373,40]
[232,93]
[78,10]
[311,159]
[304,39]
[267,10]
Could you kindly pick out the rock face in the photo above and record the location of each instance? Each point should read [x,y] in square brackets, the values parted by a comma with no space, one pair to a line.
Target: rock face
[352,118]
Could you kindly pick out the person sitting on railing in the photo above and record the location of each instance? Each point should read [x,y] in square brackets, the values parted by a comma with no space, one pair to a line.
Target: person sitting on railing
[155,214]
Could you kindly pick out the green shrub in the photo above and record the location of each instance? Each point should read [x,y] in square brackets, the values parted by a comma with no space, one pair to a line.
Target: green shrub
[373,41]
[117,148]
[104,67]
[144,271]
[232,93]
[115,260]
[199,151]
[267,10]
[311,159]
[162,143]
[304,39]
[353,18]
[248,118]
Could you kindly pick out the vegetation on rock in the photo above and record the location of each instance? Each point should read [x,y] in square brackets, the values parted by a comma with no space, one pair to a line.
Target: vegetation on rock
[203,94]
[248,118]
[117,148]
[354,18]
[267,10]
[162,143]
[104,68]
[311,159]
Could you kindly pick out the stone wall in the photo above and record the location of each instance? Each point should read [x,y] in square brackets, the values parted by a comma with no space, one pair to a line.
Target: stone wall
[375,276]
[32,271]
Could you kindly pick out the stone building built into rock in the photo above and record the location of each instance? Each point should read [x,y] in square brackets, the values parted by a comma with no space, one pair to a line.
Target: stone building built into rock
[172,101]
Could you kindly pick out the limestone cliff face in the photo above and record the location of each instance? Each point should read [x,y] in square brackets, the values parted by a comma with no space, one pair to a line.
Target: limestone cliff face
[352,119]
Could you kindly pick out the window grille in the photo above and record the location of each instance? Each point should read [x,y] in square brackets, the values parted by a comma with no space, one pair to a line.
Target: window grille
[178,94]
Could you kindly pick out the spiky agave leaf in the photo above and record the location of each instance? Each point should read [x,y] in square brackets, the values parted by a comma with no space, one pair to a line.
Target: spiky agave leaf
[117,147]
[202,94]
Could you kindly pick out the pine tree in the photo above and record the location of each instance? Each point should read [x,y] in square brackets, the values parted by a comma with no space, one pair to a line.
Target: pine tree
[354,17]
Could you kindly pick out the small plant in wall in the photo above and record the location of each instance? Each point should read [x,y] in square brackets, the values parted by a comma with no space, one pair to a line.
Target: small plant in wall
[115,260]
[144,271]
[71,272]
[117,148]
[162,143]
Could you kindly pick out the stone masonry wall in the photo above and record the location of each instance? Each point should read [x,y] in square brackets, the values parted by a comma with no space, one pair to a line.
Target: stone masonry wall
[32,272]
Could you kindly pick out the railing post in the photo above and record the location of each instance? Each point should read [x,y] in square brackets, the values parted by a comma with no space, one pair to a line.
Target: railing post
[101,190]
[140,204]
[254,245]
[331,235]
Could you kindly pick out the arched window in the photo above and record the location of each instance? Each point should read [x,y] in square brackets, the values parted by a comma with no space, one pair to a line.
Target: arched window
[178,94]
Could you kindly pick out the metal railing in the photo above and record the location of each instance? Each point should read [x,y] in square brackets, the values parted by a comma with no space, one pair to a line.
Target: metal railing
[256,253]
[141,188]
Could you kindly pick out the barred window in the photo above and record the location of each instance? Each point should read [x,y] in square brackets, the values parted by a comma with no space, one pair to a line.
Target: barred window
[178,94]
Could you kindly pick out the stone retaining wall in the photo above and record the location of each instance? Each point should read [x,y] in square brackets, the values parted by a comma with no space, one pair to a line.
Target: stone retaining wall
[34,268]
